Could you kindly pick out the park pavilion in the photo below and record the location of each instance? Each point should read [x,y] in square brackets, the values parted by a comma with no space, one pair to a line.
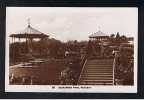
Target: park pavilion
[99,35]
[29,34]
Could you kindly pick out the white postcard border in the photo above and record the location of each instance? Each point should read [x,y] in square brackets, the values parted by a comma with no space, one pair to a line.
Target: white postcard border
[72,88]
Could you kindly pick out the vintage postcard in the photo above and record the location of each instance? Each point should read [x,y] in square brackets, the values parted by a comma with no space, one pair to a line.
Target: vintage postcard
[71,49]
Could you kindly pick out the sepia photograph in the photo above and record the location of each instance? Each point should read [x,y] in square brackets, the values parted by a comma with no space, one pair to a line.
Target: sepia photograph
[71,49]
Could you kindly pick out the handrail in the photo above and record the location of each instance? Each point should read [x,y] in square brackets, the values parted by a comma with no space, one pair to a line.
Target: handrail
[114,64]
[114,67]
[81,71]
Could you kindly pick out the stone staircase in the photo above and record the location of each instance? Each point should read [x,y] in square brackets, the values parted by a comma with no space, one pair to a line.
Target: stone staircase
[97,72]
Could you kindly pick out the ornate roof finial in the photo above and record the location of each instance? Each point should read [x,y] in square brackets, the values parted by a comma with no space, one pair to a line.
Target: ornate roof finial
[28,22]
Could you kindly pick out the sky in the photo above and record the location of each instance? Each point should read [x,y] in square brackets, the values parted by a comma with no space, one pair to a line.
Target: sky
[73,23]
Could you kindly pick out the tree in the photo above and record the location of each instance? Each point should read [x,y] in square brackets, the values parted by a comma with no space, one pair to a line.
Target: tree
[123,39]
[112,36]
[117,35]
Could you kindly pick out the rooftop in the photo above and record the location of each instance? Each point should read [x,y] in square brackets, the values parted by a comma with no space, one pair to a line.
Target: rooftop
[98,34]
[29,32]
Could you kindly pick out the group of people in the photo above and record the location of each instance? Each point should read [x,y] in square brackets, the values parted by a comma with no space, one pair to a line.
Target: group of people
[67,77]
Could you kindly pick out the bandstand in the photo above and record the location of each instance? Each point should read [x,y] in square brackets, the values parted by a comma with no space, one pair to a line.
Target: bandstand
[28,35]
[100,40]
[99,35]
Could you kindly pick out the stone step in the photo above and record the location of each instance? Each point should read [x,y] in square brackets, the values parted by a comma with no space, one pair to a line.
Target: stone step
[101,60]
[96,78]
[99,63]
[99,66]
[98,69]
[97,81]
[94,73]
[97,72]
[97,75]
[91,83]
[103,63]
[96,65]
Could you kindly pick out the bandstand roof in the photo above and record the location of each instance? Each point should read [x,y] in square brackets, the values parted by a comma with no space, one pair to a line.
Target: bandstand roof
[98,34]
[29,32]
